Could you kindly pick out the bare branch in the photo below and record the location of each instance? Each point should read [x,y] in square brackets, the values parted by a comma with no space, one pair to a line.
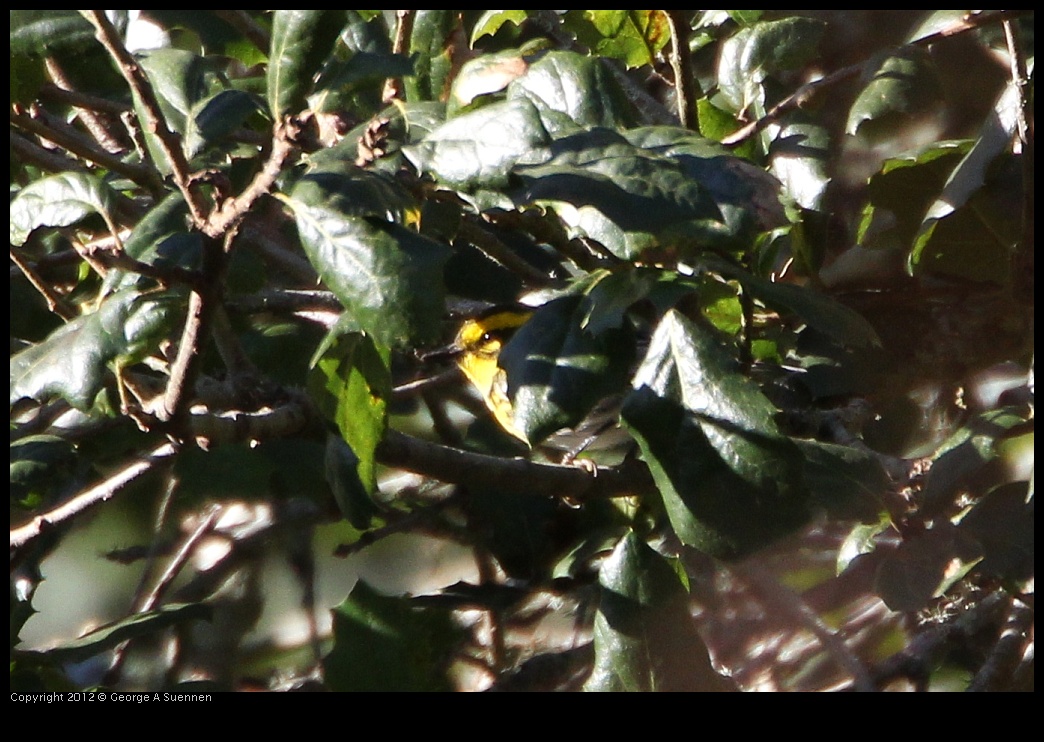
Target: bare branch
[95,495]
[511,475]
[169,141]
[145,176]
[685,89]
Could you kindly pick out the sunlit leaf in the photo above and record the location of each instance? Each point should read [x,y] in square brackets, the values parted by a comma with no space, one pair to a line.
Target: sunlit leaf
[388,277]
[301,42]
[578,88]
[762,49]
[491,20]
[138,625]
[730,480]
[905,85]
[58,201]
[481,147]
[632,36]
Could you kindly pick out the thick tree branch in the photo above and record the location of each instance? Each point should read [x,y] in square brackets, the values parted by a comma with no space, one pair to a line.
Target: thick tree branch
[519,476]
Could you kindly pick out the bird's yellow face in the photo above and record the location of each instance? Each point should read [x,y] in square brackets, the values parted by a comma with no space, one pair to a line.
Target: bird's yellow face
[478,347]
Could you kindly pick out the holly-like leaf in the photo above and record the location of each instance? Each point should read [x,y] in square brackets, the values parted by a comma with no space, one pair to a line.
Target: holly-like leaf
[730,480]
[627,199]
[760,50]
[351,382]
[905,85]
[301,41]
[965,182]
[572,90]
[383,643]
[644,635]
[72,362]
[111,635]
[490,22]
[634,37]
[214,118]
[557,370]
[388,277]
[58,201]
[480,148]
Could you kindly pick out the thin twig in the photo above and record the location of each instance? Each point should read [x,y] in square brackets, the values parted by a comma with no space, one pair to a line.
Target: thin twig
[144,176]
[781,598]
[685,89]
[46,159]
[234,209]
[403,33]
[95,124]
[1000,666]
[55,303]
[95,495]
[806,92]
[494,248]
[1023,258]
[202,302]
[85,101]
[169,141]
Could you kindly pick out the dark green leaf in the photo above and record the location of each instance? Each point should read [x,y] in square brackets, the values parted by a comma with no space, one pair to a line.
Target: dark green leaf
[901,192]
[301,41]
[388,277]
[925,566]
[843,324]
[479,148]
[161,238]
[645,638]
[624,197]
[491,20]
[557,370]
[431,45]
[179,80]
[42,32]
[967,180]
[843,481]
[729,479]
[39,463]
[214,118]
[904,86]
[385,644]
[278,467]
[342,473]
[1002,522]
[58,201]
[71,363]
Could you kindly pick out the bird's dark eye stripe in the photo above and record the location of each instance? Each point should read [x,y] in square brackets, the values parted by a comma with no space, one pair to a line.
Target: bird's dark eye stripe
[501,334]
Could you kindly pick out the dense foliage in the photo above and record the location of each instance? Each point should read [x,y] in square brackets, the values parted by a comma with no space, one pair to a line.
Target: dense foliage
[792,250]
